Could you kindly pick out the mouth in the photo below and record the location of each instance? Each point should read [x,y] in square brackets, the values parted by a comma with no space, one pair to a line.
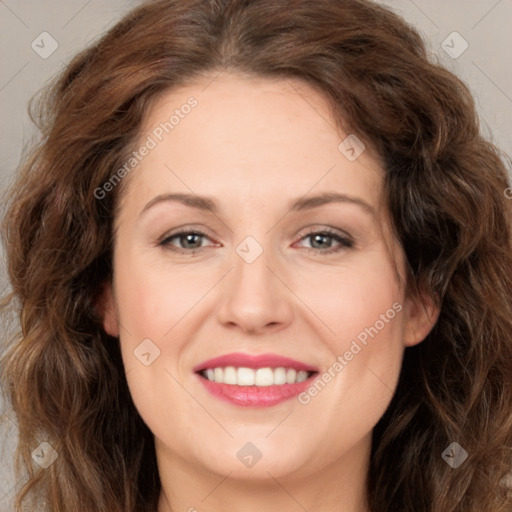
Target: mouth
[255,381]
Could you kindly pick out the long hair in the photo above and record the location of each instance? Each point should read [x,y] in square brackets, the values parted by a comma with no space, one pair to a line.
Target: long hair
[446,188]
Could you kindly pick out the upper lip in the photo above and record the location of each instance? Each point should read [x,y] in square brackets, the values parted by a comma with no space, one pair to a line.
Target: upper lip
[239,359]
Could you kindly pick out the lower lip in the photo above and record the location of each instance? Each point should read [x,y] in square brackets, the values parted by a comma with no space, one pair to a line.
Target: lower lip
[256,396]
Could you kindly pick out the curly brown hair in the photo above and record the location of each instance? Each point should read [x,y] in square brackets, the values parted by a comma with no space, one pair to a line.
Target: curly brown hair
[63,374]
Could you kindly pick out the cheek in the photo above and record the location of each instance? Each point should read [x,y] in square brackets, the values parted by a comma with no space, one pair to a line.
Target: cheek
[153,298]
[360,307]
[153,304]
[158,309]
[351,297]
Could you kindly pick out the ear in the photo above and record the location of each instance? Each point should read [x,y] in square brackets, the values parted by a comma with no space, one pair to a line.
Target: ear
[421,314]
[106,307]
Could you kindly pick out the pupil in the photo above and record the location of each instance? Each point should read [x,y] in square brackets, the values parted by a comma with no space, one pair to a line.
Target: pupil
[317,237]
[189,237]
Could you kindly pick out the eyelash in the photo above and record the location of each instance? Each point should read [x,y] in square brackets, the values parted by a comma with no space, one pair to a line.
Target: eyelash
[345,242]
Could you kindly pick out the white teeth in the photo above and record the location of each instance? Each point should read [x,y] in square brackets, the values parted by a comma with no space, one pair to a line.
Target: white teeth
[279,376]
[302,376]
[230,375]
[219,374]
[291,375]
[261,377]
[264,377]
[245,377]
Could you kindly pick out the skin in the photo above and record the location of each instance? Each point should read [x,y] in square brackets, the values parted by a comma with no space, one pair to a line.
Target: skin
[253,145]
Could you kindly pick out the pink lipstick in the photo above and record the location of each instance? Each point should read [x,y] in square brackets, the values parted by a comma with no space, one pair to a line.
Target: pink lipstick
[255,380]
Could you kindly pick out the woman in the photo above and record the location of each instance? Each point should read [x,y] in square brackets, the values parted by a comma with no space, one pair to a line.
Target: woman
[258,369]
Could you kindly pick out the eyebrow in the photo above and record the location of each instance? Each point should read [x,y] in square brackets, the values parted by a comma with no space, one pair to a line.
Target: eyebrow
[301,204]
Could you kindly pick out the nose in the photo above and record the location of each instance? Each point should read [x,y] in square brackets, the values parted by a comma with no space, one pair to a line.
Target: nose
[255,298]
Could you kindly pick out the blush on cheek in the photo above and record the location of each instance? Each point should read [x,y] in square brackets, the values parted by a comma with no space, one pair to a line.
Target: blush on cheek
[373,350]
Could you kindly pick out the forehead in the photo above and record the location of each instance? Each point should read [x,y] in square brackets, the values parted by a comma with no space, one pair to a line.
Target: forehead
[249,137]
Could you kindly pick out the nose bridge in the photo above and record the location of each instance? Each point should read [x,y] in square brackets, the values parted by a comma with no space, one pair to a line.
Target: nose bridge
[251,275]
[254,297]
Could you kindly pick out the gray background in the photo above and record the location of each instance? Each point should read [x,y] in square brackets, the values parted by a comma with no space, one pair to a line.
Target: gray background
[484,25]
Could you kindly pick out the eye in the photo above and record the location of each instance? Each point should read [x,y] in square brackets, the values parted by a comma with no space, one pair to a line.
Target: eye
[321,240]
[189,241]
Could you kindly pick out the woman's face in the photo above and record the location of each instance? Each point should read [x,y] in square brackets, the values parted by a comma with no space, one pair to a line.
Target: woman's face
[277,270]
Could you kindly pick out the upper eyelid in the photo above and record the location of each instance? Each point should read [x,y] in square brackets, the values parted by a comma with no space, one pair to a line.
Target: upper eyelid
[305,231]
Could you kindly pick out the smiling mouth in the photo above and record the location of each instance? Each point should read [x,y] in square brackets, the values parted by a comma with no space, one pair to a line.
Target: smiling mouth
[261,377]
